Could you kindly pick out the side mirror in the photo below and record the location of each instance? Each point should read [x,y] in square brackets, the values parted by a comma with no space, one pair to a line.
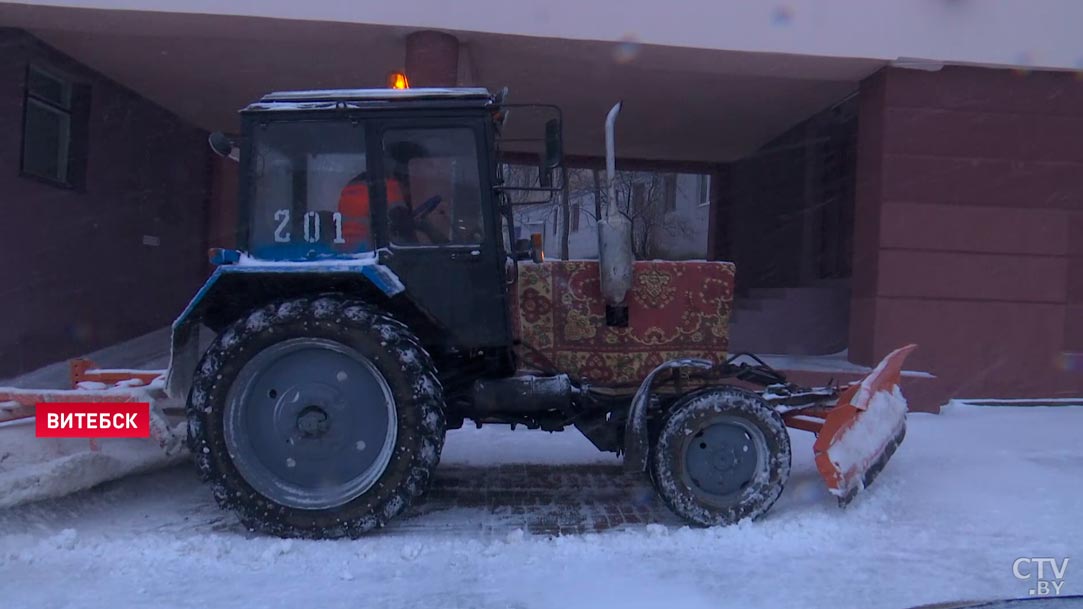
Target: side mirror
[220,144]
[554,144]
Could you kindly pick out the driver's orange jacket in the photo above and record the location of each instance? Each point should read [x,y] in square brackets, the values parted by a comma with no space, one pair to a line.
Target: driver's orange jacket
[353,204]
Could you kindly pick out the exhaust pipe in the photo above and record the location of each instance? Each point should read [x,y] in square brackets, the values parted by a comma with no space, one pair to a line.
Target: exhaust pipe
[611,149]
[614,237]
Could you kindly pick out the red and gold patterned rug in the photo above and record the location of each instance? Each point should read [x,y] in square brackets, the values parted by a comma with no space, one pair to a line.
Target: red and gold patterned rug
[675,309]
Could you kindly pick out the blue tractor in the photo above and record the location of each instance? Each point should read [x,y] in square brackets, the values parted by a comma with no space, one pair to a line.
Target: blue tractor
[369,309]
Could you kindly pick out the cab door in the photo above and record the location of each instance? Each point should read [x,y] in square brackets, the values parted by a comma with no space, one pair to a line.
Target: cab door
[439,228]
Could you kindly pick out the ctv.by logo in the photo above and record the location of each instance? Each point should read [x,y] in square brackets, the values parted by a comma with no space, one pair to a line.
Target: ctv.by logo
[1025,569]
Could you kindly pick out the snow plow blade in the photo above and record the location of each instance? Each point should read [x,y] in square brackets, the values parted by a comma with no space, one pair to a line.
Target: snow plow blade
[33,468]
[856,437]
[861,433]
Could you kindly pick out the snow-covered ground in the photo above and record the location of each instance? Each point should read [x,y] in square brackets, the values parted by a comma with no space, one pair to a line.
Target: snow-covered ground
[968,492]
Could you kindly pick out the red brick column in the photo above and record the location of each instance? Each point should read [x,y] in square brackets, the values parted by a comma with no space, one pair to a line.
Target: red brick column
[969,228]
[432,59]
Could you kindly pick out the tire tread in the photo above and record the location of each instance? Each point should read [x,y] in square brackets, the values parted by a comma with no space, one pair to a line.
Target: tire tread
[406,365]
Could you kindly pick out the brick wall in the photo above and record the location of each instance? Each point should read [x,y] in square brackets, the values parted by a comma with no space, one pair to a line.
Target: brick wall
[75,274]
[969,228]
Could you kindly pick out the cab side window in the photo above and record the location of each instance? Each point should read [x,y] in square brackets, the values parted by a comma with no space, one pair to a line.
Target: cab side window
[433,186]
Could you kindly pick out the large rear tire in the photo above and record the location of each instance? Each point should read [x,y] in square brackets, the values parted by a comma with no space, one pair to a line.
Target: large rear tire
[721,456]
[316,417]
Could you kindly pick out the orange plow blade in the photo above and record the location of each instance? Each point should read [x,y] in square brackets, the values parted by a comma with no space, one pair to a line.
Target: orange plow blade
[860,434]
[35,468]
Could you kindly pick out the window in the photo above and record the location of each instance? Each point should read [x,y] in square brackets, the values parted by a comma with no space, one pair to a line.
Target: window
[309,190]
[703,189]
[575,217]
[47,127]
[434,186]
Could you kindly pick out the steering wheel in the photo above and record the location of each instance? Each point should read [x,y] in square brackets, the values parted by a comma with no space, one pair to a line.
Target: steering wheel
[426,208]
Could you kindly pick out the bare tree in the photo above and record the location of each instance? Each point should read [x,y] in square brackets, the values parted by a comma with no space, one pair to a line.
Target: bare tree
[566,213]
[643,198]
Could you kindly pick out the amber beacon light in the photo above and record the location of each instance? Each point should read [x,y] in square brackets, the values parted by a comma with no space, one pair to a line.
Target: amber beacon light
[397,80]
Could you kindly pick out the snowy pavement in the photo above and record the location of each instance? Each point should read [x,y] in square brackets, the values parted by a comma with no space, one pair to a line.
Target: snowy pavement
[968,492]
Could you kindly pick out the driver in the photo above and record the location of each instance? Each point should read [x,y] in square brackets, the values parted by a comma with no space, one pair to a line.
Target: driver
[406,223]
[412,222]
[354,205]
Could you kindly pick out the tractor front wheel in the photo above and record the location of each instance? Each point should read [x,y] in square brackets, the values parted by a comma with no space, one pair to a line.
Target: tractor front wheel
[316,417]
[721,456]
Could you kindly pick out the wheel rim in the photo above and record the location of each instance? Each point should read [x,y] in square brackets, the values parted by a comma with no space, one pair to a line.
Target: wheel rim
[724,458]
[310,423]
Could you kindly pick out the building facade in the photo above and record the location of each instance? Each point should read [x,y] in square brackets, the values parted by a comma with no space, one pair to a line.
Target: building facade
[105,200]
[880,172]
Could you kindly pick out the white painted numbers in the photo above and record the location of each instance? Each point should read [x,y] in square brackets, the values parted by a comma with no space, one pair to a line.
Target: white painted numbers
[336,219]
[282,233]
[311,227]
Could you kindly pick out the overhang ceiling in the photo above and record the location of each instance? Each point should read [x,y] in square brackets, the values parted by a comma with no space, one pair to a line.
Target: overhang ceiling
[680,104]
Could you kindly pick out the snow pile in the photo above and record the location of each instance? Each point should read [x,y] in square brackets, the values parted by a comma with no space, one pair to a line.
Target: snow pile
[873,429]
[367,262]
[350,261]
[32,468]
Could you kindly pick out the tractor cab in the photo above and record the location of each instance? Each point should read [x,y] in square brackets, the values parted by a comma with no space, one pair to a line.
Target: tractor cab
[406,178]
[337,173]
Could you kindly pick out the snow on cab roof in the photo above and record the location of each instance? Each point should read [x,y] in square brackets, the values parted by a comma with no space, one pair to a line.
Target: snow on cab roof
[329,99]
[376,94]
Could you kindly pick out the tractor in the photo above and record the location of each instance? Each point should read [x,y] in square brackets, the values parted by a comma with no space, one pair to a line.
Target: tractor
[381,295]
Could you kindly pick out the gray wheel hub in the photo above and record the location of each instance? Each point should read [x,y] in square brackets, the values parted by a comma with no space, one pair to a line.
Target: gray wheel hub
[310,423]
[723,458]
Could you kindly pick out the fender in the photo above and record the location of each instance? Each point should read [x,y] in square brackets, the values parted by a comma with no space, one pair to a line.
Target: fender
[636,437]
[241,282]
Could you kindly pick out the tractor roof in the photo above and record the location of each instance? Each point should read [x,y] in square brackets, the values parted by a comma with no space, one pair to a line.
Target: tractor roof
[332,99]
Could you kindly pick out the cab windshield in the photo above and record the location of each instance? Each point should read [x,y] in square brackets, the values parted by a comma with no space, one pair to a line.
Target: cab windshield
[301,175]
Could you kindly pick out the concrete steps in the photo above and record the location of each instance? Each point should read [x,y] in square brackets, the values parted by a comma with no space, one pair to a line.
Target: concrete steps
[808,320]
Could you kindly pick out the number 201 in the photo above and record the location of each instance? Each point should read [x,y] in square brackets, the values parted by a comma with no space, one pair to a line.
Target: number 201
[311,226]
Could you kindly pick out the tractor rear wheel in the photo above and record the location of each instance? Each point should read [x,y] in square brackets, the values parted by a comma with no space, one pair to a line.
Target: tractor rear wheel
[721,456]
[316,417]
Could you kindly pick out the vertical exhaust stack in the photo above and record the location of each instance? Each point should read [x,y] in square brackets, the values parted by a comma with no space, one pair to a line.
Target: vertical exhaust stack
[614,238]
